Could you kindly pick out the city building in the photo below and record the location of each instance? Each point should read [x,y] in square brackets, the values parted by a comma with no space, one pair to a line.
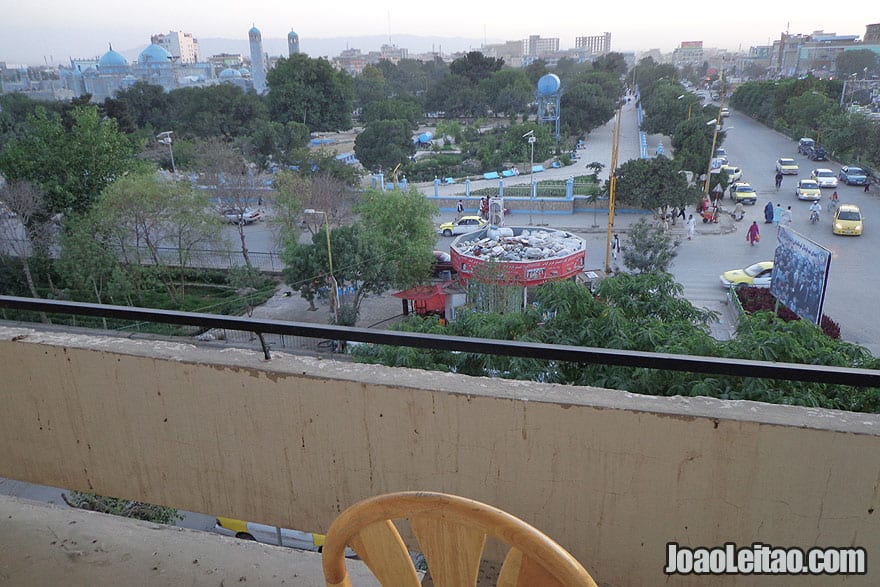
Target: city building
[182,46]
[597,44]
[872,34]
[689,53]
[536,46]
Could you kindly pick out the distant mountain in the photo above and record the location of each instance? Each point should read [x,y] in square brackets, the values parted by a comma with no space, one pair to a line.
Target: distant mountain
[332,47]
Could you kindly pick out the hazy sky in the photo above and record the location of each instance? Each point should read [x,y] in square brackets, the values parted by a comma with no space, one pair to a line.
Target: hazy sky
[31,31]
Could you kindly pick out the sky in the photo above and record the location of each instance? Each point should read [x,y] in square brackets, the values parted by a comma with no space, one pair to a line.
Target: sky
[53,30]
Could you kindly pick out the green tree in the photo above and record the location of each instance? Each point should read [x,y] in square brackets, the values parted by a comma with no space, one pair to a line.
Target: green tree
[508,91]
[147,104]
[224,111]
[613,62]
[586,106]
[400,224]
[384,143]
[692,144]
[857,62]
[455,96]
[310,91]
[407,109]
[278,142]
[475,67]
[72,166]
[370,86]
[652,184]
[648,250]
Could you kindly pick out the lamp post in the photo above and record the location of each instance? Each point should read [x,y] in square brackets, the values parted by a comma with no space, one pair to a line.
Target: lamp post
[165,139]
[531,141]
[334,301]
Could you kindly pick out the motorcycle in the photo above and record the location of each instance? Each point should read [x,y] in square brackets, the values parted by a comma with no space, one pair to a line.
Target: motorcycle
[814,217]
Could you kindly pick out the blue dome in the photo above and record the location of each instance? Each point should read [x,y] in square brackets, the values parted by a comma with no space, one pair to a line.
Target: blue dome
[154,54]
[112,59]
[244,71]
[254,31]
[230,73]
[292,35]
[549,84]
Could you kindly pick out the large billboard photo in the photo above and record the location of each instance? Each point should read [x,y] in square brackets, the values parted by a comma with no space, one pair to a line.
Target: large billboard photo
[800,274]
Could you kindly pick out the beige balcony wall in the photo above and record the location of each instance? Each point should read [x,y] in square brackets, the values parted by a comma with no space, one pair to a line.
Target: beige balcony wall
[611,476]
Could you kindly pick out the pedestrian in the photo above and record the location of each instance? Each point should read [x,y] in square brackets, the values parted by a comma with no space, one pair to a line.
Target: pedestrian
[738,212]
[754,234]
[459,210]
[867,186]
[615,246]
[768,213]
[785,219]
[681,213]
[778,180]
[691,226]
[777,213]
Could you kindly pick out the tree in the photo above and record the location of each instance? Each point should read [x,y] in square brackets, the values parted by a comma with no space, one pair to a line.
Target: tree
[407,109]
[72,166]
[310,91]
[370,86]
[856,62]
[613,62]
[278,142]
[692,144]
[25,234]
[224,111]
[140,215]
[146,104]
[586,107]
[652,184]
[400,223]
[455,96]
[122,507]
[649,250]
[384,143]
[475,67]
[508,91]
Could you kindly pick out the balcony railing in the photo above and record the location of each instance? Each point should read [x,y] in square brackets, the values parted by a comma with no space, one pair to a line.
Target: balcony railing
[625,358]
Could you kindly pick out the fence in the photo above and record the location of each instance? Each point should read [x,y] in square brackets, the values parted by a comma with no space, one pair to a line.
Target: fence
[199,259]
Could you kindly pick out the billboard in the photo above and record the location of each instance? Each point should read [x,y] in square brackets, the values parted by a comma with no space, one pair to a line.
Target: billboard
[800,274]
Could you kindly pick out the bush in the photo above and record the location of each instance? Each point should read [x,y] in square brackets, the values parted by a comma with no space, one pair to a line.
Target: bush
[756,299]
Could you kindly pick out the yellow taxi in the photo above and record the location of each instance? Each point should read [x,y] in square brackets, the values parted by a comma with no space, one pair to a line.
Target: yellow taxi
[808,189]
[787,166]
[848,220]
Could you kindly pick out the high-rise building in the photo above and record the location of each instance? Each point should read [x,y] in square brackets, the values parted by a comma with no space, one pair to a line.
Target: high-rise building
[872,34]
[292,44]
[258,63]
[182,46]
[597,44]
[535,45]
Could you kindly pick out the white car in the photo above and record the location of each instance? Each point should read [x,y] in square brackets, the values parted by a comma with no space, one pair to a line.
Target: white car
[240,215]
[734,174]
[824,177]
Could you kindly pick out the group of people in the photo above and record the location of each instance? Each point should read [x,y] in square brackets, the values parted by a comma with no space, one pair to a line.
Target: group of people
[776,215]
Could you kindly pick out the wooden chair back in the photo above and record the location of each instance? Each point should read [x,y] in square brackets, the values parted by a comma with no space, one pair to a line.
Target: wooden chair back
[451,532]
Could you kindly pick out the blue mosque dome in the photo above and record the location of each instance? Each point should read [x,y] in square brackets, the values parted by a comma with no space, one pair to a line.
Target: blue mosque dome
[112,59]
[254,31]
[292,35]
[154,54]
[230,73]
[244,71]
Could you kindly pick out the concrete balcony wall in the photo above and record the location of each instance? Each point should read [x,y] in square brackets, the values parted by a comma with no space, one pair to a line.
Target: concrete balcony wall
[611,476]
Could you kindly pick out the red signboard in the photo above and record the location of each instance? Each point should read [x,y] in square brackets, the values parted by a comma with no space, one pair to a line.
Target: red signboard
[526,273]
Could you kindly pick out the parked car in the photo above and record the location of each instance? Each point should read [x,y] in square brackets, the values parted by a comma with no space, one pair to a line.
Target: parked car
[269,535]
[757,275]
[848,220]
[240,215]
[442,262]
[725,112]
[787,166]
[745,193]
[805,144]
[824,177]
[816,153]
[734,174]
[808,189]
[463,225]
[851,175]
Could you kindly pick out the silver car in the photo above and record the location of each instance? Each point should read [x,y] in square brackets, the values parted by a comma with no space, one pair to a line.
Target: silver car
[824,177]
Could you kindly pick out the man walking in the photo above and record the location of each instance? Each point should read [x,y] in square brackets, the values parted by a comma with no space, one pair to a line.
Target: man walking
[691,227]
[785,219]
[615,246]
[459,210]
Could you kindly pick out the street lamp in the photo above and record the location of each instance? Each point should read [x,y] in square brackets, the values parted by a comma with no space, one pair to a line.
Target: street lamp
[165,139]
[334,301]
[531,141]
